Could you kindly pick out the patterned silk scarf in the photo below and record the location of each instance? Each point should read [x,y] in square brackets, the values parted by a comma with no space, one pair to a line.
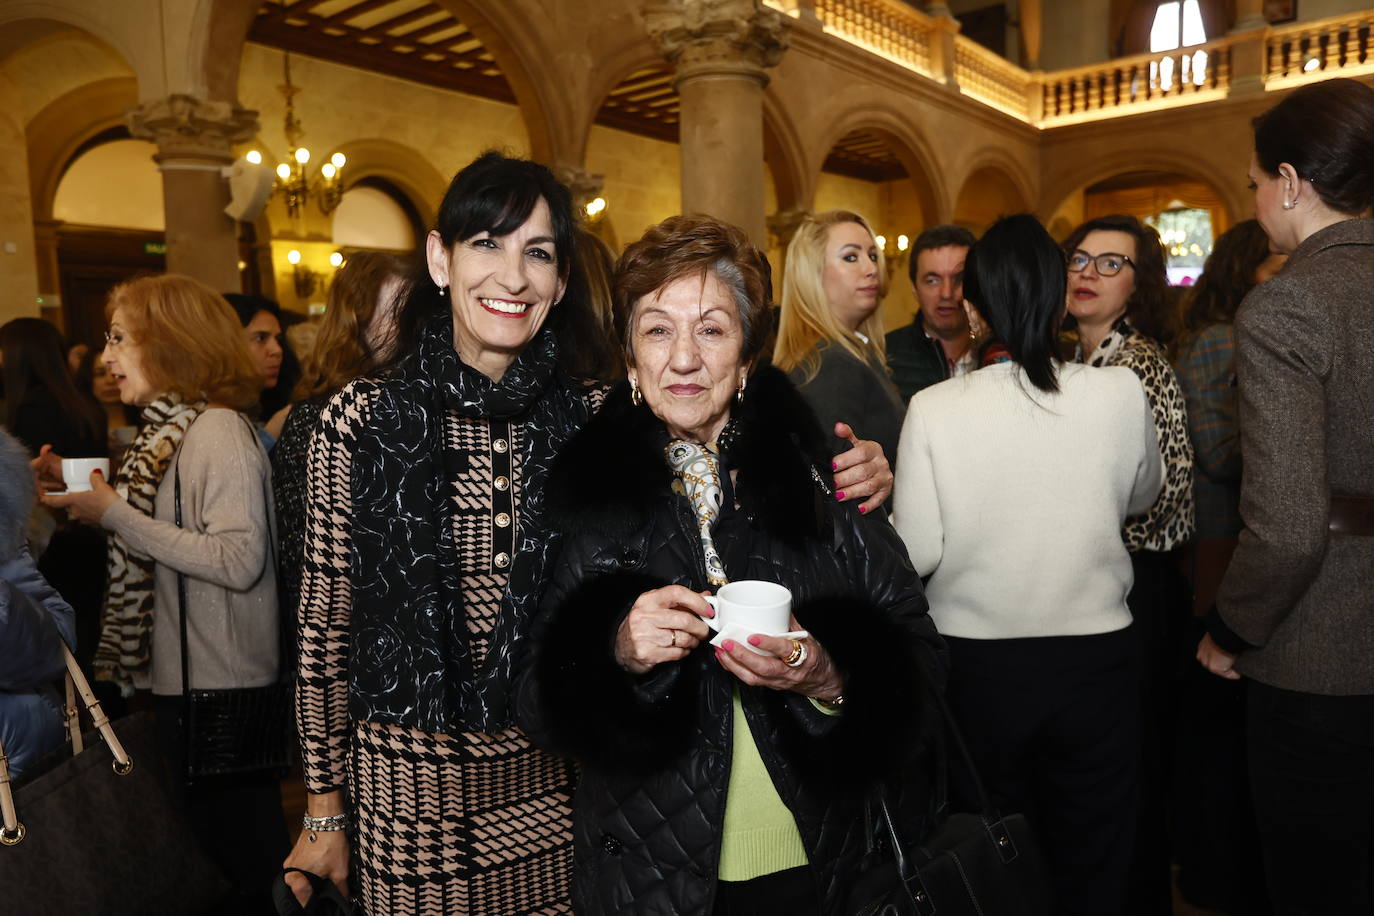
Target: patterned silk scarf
[698,478]
[126,629]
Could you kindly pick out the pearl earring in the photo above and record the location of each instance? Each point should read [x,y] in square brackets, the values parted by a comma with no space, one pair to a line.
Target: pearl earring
[1289,204]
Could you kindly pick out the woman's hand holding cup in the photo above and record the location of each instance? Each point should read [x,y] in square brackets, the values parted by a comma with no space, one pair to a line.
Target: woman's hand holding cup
[663,625]
[814,676]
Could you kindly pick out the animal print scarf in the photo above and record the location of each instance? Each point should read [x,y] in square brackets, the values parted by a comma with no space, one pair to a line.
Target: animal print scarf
[126,630]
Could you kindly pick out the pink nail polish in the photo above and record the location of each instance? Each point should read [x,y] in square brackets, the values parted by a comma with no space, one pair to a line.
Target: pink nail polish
[840,495]
[728,645]
[755,640]
[863,510]
[834,465]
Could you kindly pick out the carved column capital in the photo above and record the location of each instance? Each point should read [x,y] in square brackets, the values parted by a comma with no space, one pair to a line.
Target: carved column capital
[185,127]
[784,224]
[585,186]
[718,37]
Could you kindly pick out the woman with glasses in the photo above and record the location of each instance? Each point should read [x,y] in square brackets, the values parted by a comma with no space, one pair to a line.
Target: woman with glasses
[189,516]
[1118,296]
[1043,675]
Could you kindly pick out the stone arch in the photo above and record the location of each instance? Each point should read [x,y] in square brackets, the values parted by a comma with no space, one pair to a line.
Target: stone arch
[1054,194]
[907,144]
[399,166]
[219,29]
[522,53]
[1025,183]
[785,156]
[21,22]
[59,131]
[613,68]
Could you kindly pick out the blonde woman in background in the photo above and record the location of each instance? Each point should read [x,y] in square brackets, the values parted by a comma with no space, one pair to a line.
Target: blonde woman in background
[830,335]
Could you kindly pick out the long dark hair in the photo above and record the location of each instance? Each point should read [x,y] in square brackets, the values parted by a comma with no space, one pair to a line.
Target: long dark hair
[1149,308]
[496,194]
[35,357]
[1015,276]
[1227,275]
[1326,132]
[247,306]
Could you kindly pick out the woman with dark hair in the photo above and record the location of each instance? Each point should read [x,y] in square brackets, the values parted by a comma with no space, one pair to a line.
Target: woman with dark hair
[1293,613]
[354,338]
[262,325]
[121,420]
[43,404]
[1028,576]
[726,779]
[1214,841]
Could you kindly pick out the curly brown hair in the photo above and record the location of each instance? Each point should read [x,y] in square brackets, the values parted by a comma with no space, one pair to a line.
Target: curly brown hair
[694,245]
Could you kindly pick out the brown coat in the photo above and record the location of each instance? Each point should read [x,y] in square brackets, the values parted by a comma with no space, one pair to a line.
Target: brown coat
[1305,363]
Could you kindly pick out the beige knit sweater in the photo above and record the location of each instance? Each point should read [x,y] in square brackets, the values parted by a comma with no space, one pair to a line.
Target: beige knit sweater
[222,548]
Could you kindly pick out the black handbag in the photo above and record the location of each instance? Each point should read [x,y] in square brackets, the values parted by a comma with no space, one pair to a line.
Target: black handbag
[95,841]
[969,864]
[236,732]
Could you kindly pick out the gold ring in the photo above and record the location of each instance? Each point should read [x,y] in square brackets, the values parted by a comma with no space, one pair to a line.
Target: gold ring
[674,642]
[798,655]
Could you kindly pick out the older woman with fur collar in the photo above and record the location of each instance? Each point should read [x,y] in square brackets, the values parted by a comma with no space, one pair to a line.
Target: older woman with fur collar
[714,779]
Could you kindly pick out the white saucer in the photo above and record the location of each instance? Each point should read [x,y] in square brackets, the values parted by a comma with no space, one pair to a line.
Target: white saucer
[733,631]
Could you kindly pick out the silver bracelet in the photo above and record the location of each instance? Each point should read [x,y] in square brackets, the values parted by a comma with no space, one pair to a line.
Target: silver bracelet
[324,824]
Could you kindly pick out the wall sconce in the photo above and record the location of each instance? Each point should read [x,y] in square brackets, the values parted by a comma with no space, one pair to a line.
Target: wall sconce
[595,210]
[894,251]
[306,280]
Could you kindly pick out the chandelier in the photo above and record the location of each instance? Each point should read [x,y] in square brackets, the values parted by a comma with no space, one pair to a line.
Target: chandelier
[294,183]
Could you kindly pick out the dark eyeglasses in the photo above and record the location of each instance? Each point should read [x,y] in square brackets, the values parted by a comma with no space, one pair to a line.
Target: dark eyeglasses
[1108,263]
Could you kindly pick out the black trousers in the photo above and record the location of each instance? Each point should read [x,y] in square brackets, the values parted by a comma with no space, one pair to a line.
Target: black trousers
[791,892]
[1053,724]
[1312,775]
[240,826]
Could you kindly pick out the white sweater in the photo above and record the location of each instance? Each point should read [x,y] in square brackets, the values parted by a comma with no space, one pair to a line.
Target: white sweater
[1012,499]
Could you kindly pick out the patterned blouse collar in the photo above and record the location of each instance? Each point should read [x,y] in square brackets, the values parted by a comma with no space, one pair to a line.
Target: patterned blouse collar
[1105,353]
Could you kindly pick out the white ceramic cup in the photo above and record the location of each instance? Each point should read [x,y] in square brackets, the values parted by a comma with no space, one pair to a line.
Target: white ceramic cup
[76,472]
[753,605]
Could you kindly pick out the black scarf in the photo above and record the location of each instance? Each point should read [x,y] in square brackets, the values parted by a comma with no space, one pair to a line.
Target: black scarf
[411,664]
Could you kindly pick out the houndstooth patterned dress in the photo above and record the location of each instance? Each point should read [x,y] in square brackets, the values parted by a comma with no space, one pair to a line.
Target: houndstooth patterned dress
[444,824]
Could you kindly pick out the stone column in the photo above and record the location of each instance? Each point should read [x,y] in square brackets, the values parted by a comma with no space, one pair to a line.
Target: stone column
[722,50]
[782,226]
[194,139]
[942,43]
[1248,48]
[1032,28]
[1249,15]
[17,253]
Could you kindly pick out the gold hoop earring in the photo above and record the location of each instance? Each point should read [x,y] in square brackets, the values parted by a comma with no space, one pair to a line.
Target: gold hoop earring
[635,397]
[739,392]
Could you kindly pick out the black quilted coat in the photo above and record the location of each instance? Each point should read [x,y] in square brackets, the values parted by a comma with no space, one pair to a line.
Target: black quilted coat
[655,749]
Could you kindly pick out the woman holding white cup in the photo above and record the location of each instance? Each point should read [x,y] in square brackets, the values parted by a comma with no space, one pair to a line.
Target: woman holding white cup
[725,780]
[189,517]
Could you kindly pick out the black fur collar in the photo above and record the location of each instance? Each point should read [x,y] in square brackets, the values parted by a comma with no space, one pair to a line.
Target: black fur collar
[610,478]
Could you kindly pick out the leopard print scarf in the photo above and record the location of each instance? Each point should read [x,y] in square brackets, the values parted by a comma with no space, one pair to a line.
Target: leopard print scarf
[126,630]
